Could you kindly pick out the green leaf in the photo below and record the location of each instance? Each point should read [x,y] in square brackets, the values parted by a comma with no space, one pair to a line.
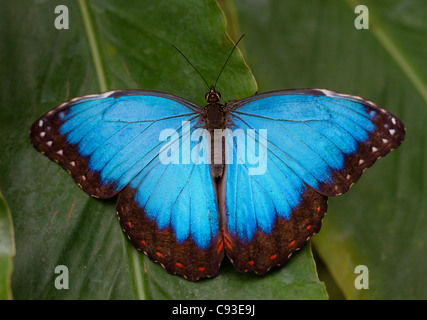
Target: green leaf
[381,222]
[7,250]
[109,45]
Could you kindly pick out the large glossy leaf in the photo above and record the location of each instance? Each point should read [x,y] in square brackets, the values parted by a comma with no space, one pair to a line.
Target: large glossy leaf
[109,45]
[381,222]
[7,250]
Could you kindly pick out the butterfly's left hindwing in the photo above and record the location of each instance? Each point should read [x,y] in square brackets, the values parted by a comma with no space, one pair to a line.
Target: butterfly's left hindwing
[267,217]
[317,144]
[110,143]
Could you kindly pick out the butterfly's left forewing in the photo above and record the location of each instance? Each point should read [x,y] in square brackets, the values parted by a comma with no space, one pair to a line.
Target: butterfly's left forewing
[318,143]
[103,140]
[111,144]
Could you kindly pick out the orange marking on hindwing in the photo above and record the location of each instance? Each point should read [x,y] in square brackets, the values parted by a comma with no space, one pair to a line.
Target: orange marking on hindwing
[274,256]
[201,269]
[220,246]
[228,243]
[179,264]
[159,254]
[292,243]
[251,262]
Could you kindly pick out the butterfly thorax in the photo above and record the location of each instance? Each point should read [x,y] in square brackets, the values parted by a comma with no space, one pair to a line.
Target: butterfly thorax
[214,112]
[215,118]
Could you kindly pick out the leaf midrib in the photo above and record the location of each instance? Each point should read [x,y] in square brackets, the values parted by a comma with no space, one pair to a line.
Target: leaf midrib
[90,33]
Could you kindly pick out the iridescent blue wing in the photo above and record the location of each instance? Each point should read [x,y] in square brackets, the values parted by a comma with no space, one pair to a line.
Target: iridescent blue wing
[316,144]
[111,144]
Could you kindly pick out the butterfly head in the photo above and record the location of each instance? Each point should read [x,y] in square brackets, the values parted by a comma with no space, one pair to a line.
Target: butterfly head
[213,96]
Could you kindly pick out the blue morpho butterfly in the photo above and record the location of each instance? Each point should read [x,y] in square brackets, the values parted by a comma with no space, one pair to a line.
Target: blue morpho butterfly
[250,178]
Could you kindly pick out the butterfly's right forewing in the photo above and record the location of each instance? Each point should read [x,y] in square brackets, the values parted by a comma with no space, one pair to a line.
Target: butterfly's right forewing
[317,144]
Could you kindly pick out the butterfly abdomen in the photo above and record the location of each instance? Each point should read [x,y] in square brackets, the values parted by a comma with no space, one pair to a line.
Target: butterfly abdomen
[215,122]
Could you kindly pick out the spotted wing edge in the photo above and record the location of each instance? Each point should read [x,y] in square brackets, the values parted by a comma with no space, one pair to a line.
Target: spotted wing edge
[46,138]
[389,134]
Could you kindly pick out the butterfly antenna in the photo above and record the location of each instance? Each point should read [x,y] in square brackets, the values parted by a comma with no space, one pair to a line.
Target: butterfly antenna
[191,65]
[228,58]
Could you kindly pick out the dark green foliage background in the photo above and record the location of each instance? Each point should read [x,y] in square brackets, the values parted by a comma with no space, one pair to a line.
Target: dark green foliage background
[380,223]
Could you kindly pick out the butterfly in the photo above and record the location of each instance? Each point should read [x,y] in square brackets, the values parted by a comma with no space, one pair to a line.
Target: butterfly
[248,179]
